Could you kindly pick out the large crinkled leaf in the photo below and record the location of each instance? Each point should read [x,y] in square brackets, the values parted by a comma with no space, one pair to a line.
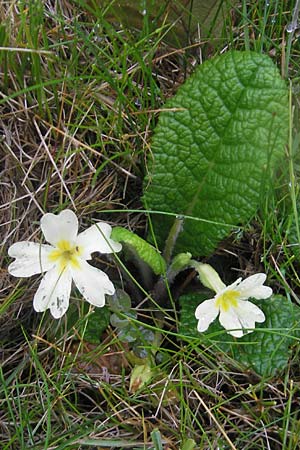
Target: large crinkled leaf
[214,150]
[266,350]
[140,248]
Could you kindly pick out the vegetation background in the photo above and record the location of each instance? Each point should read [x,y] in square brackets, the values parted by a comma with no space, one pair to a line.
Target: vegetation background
[82,84]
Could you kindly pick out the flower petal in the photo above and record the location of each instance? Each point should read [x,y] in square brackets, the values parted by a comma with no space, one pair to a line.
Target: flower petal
[206,313]
[97,239]
[209,277]
[31,258]
[232,287]
[230,321]
[248,314]
[253,287]
[54,293]
[92,283]
[64,226]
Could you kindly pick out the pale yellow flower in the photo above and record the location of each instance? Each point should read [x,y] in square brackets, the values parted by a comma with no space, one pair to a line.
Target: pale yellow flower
[64,260]
[236,314]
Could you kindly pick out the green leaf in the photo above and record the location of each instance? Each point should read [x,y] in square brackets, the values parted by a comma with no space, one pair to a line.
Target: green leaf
[145,344]
[120,301]
[215,147]
[127,332]
[145,251]
[141,374]
[97,323]
[266,350]
[189,444]
[181,262]
[156,439]
[89,325]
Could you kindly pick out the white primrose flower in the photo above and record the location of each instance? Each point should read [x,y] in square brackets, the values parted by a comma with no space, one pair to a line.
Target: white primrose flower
[236,314]
[64,260]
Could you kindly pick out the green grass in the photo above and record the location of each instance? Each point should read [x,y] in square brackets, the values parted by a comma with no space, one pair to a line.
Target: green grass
[80,96]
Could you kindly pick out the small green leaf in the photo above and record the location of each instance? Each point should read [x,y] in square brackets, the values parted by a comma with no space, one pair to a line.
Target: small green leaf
[140,375]
[156,439]
[98,321]
[127,335]
[127,332]
[144,344]
[89,325]
[120,301]
[266,350]
[120,321]
[145,251]
[215,147]
[181,261]
[189,444]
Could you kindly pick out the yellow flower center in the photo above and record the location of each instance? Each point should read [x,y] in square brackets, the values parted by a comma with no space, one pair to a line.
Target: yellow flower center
[66,253]
[227,300]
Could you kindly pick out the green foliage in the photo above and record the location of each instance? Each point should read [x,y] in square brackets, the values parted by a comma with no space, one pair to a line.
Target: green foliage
[164,14]
[156,439]
[294,234]
[140,248]
[97,323]
[189,444]
[120,301]
[89,325]
[266,350]
[125,329]
[136,335]
[94,324]
[181,261]
[124,319]
[215,147]
[120,305]
[141,374]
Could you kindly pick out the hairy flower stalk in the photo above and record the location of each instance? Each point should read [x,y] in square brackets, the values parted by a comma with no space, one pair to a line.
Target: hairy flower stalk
[236,314]
[64,260]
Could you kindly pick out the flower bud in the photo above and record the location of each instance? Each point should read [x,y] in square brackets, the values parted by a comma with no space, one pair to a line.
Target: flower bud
[140,376]
[209,277]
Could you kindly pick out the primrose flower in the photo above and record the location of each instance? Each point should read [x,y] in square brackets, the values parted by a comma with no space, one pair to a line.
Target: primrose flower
[236,313]
[64,260]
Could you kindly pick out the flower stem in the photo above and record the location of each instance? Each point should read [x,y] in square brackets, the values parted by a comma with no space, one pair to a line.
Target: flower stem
[172,238]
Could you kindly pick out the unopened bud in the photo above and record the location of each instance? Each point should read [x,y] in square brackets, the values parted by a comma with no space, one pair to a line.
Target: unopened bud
[209,277]
[140,376]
